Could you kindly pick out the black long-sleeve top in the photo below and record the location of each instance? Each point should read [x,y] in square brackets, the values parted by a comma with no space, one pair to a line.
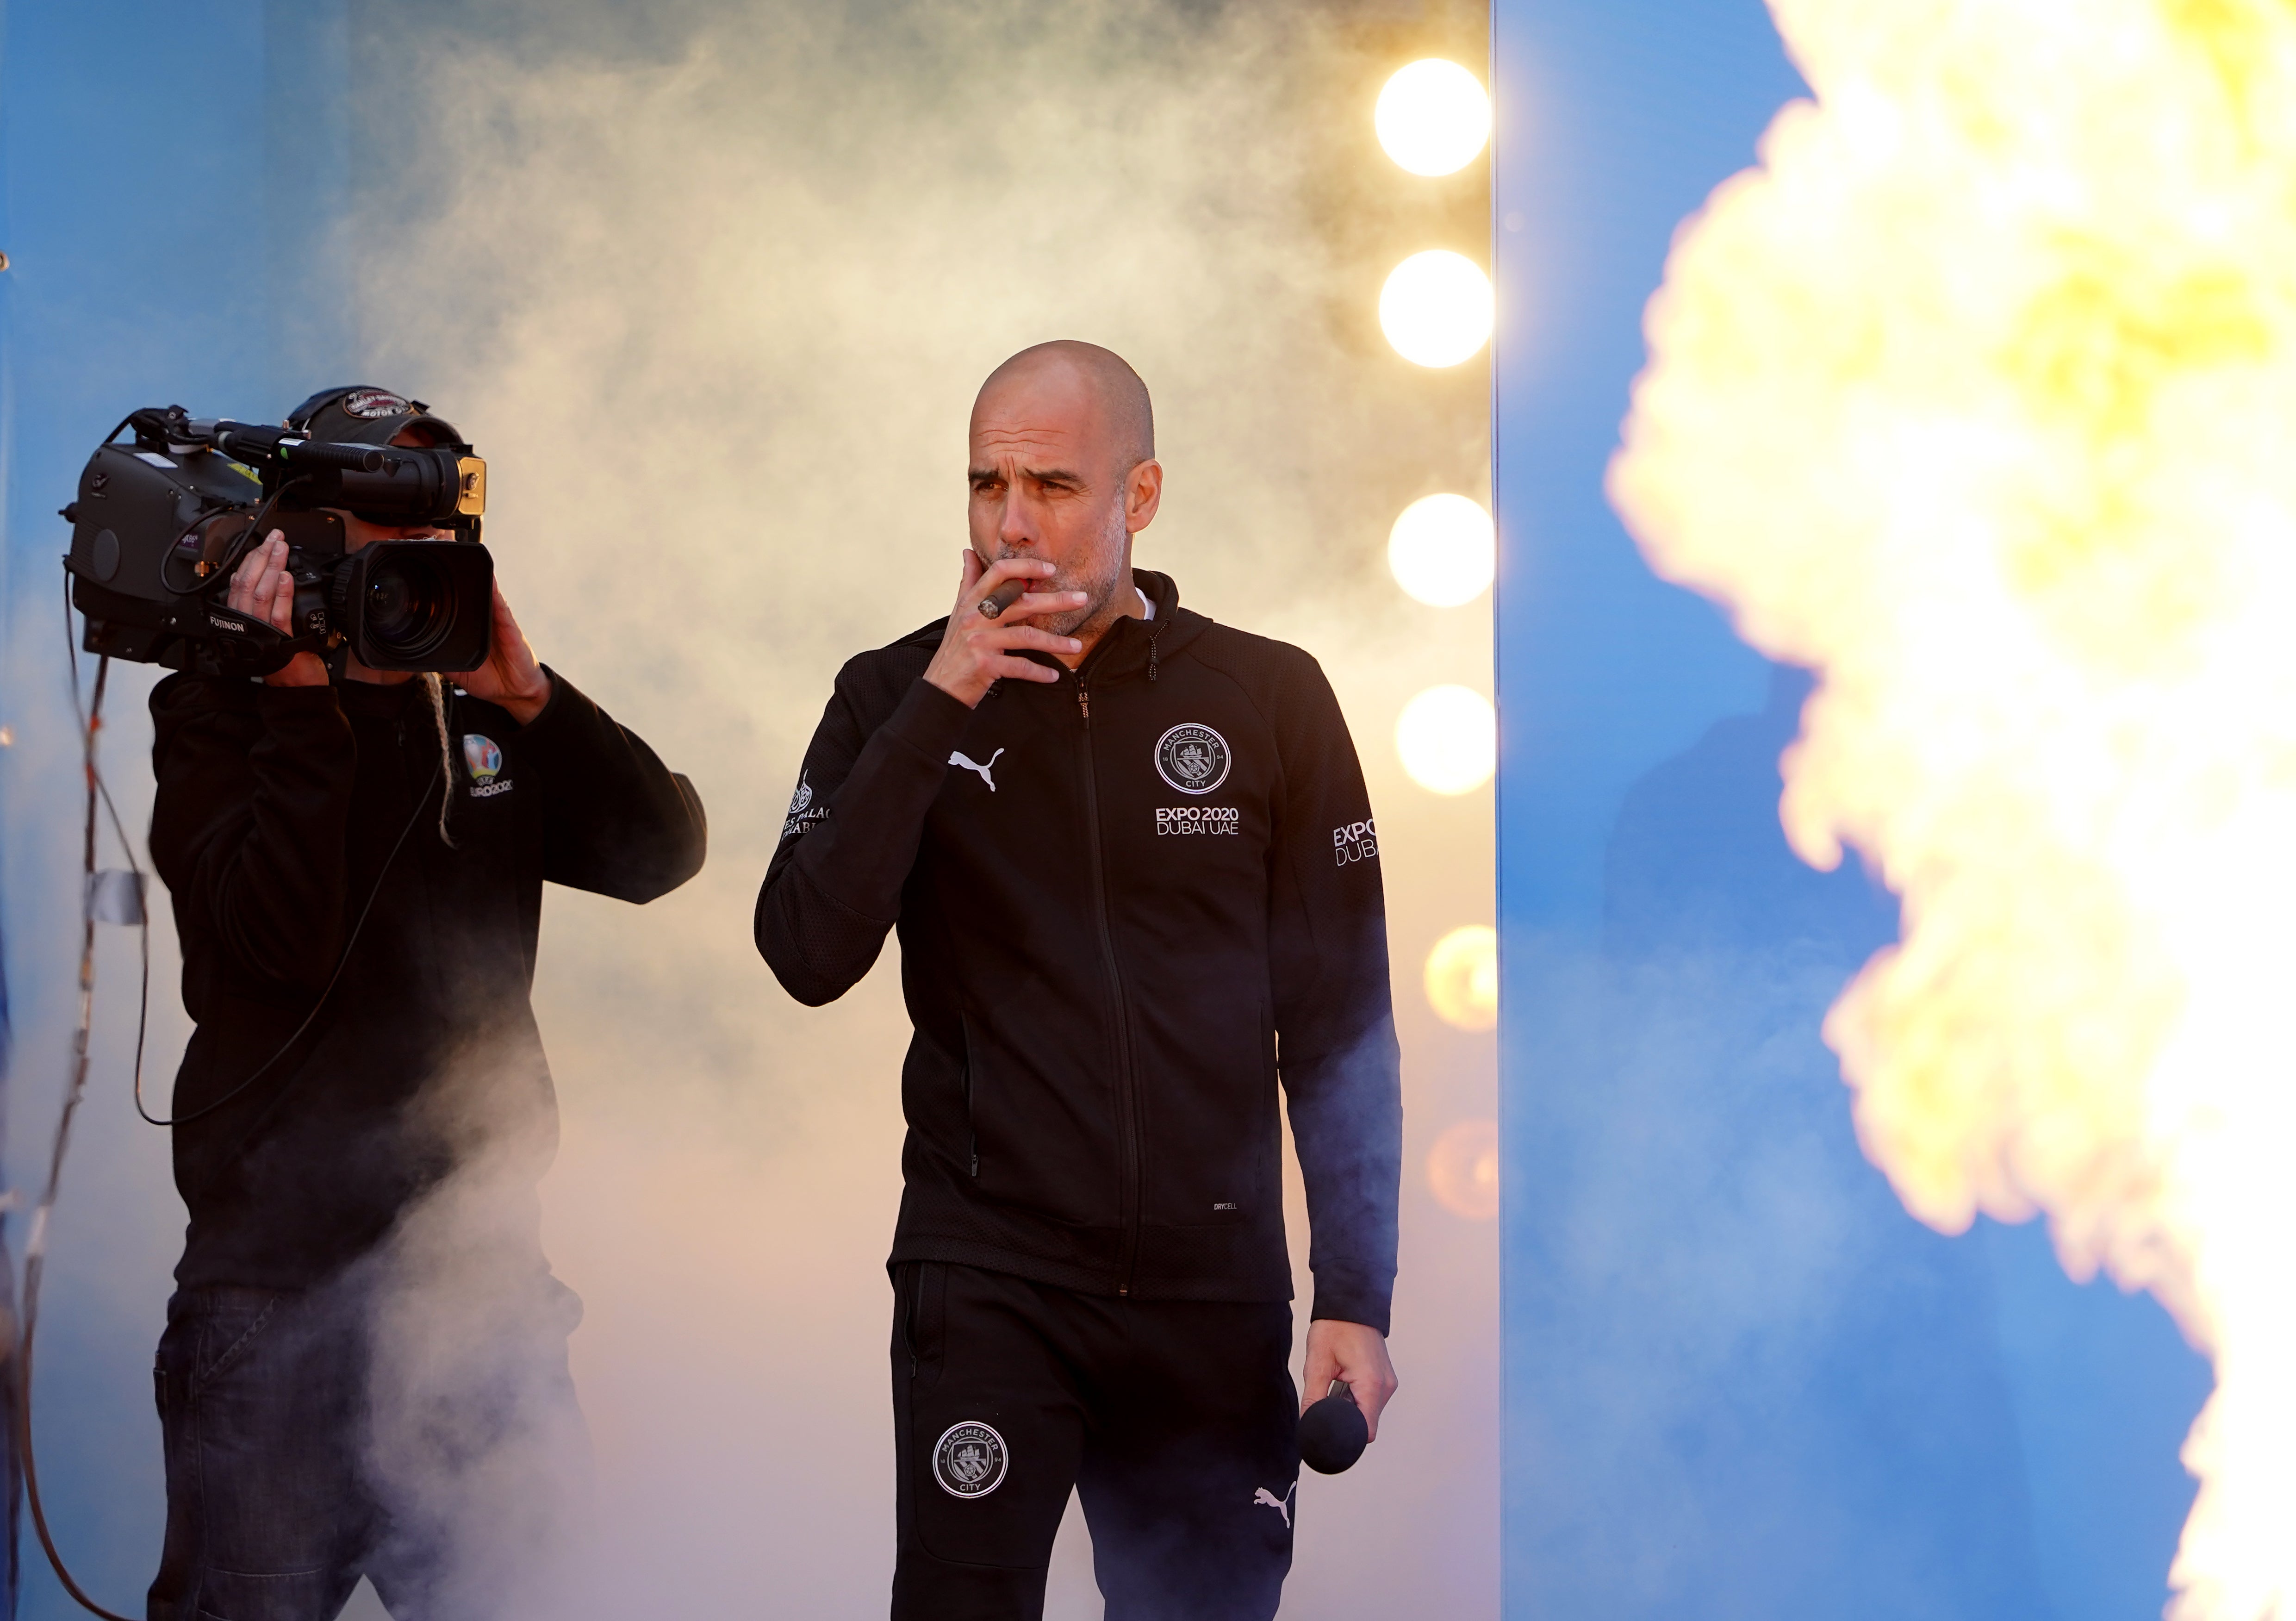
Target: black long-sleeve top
[1130,904]
[277,810]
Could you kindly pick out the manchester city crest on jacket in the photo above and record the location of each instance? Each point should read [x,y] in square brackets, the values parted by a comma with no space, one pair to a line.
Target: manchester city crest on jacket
[1192,758]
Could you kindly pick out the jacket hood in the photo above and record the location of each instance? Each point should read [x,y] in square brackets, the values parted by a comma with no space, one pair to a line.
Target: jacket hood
[1135,645]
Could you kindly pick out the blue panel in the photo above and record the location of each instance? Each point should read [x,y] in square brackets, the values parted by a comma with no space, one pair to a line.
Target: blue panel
[1615,120]
[169,177]
[10,1487]
[1740,1380]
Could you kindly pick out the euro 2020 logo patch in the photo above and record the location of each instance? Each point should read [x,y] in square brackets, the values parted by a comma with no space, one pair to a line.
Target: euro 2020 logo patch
[969,1460]
[483,757]
[1192,758]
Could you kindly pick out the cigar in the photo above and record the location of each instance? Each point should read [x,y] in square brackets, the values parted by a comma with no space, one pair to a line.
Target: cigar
[993,606]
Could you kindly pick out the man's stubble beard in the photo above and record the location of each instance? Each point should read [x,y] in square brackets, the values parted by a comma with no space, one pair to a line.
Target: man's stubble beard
[1103,589]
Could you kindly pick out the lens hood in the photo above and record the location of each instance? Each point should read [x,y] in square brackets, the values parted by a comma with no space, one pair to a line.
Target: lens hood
[415,605]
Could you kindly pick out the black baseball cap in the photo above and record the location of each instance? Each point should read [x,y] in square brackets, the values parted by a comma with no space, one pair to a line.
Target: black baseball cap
[361,413]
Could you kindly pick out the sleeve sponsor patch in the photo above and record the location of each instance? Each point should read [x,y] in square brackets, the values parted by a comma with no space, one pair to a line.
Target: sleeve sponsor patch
[1356,841]
[804,813]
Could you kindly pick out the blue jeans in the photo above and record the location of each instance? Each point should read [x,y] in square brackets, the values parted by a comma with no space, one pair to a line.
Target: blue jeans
[276,1506]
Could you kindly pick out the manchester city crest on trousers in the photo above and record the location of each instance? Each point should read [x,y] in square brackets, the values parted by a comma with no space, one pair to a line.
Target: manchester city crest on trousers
[1192,758]
[969,1460]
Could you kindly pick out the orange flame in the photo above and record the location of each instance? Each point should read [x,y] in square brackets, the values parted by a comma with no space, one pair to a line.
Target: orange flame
[1979,396]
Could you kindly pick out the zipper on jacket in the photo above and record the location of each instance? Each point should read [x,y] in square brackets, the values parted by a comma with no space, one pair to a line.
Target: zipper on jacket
[912,1318]
[972,1132]
[1126,1107]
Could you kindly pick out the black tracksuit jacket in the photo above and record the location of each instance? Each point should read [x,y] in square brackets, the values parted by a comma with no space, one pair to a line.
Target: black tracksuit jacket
[277,809]
[1141,896]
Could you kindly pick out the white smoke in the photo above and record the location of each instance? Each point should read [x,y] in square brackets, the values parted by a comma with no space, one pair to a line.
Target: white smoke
[712,292]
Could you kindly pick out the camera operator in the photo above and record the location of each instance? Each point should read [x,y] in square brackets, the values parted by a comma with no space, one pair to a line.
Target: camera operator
[1130,852]
[388,836]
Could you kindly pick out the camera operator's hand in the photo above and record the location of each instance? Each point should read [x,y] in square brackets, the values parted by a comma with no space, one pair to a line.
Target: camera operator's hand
[510,676]
[976,650]
[1354,1352]
[262,589]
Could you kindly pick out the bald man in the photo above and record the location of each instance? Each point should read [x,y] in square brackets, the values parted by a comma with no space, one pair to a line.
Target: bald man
[1136,882]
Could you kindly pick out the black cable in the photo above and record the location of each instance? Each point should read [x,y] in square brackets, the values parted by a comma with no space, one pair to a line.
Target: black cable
[91,723]
[233,554]
[288,1045]
[36,1243]
[144,1014]
[143,919]
[127,849]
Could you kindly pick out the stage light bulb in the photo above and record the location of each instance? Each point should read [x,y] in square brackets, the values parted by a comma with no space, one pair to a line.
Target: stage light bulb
[1435,308]
[1433,116]
[1463,977]
[1449,739]
[1443,550]
[1462,1170]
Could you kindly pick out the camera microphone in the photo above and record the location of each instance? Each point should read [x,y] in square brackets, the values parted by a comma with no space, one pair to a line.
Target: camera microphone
[1333,1432]
[255,446]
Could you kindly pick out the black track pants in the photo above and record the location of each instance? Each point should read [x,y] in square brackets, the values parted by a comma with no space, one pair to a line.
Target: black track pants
[1175,1421]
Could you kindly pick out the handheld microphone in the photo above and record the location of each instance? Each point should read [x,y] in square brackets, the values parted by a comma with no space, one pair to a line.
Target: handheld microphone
[1333,1432]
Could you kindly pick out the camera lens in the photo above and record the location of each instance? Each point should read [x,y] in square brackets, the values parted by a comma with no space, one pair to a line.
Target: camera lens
[409,610]
[415,605]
